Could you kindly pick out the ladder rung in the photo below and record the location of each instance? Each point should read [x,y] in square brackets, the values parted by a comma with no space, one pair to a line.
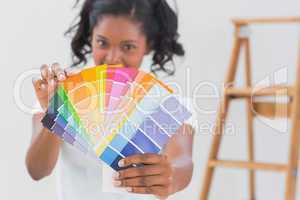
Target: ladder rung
[272,110]
[248,165]
[263,91]
[274,20]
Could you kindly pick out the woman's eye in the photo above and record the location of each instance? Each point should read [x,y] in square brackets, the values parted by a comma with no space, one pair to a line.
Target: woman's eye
[128,47]
[102,43]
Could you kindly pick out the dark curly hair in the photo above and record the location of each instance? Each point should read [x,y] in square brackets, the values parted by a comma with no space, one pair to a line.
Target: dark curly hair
[158,22]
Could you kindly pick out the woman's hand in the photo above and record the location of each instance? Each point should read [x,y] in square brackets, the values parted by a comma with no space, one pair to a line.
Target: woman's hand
[46,85]
[154,176]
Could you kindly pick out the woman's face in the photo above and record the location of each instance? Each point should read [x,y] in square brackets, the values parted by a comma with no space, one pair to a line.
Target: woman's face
[118,40]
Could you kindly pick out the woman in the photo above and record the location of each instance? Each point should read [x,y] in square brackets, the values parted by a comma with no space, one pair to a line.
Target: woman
[114,32]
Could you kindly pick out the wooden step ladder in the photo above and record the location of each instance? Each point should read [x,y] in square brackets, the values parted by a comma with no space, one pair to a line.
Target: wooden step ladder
[267,109]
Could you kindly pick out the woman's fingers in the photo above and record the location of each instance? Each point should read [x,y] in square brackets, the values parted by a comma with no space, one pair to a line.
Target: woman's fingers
[145,181]
[46,73]
[42,86]
[148,159]
[55,72]
[38,83]
[146,170]
[58,72]
[47,83]
[154,176]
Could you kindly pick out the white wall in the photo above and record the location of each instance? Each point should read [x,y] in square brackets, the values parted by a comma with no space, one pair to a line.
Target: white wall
[32,34]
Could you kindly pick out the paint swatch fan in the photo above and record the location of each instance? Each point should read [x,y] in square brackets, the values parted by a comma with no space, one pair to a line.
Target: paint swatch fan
[114,112]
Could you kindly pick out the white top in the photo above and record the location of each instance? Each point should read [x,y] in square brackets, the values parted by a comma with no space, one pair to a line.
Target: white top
[82,177]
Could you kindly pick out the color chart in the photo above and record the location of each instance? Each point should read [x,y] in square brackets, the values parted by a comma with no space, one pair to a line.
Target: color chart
[115,112]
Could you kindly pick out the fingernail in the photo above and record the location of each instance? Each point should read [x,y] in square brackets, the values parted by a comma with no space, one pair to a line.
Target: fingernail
[61,77]
[117,183]
[116,175]
[43,86]
[44,73]
[121,163]
[129,189]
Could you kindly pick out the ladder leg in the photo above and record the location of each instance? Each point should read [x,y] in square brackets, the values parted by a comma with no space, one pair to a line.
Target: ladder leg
[217,135]
[250,118]
[294,148]
[216,141]
[293,160]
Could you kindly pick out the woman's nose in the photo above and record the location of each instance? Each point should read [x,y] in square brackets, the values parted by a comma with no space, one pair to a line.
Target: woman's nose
[113,57]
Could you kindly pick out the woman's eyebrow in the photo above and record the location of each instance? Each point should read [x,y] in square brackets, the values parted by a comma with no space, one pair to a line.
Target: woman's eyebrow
[101,37]
[124,41]
[129,41]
